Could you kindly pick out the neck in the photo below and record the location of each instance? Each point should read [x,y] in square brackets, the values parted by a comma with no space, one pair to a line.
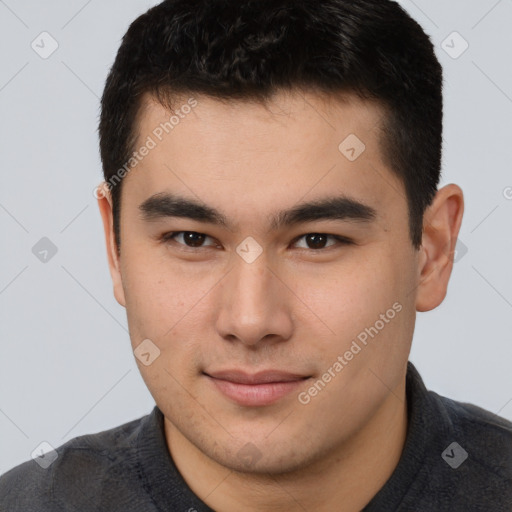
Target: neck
[346,480]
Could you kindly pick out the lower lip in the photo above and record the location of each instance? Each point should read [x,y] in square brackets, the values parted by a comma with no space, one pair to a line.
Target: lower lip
[255,394]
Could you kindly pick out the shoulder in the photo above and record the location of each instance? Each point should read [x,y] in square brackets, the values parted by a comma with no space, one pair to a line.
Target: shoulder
[77,470]
[477,453]
[488,436]
[457,456]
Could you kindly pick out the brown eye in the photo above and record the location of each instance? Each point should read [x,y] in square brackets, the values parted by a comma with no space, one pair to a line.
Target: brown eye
[190,239]
[317,241]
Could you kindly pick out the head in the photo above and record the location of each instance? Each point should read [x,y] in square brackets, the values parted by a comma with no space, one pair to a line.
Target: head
[272,204]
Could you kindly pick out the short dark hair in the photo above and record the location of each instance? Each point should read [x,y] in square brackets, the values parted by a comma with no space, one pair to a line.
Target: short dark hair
[251,49]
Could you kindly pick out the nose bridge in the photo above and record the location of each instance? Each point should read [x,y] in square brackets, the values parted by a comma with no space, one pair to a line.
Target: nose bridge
[252,303]
[250,286]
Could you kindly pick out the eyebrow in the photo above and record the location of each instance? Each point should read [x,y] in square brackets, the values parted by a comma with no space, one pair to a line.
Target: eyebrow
[164,204]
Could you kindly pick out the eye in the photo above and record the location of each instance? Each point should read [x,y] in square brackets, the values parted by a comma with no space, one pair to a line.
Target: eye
[191,239]
[317,241]
[195,240]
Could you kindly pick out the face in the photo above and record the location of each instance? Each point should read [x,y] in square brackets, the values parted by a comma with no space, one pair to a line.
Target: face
[265,255]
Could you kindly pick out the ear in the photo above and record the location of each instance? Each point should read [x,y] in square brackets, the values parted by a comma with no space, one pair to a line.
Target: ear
[441,226]
[104,197]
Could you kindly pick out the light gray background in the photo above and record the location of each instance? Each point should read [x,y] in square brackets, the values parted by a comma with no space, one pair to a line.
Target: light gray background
[66,366]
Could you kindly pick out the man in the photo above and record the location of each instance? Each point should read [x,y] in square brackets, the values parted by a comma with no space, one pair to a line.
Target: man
[273,224]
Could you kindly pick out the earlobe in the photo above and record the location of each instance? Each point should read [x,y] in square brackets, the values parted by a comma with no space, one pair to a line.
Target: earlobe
[441,227]
[105,206]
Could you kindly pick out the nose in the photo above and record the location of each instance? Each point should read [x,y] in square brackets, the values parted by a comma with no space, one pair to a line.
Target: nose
[254,307]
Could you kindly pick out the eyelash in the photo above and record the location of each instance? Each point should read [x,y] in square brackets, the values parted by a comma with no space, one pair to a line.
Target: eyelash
[170,237]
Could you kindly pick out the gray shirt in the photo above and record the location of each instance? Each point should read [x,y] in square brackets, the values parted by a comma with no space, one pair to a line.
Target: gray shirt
[457,457]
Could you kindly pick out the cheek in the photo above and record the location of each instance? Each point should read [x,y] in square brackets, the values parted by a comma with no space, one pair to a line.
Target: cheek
[170,307]
[366,302]
[349,296]
[156,294]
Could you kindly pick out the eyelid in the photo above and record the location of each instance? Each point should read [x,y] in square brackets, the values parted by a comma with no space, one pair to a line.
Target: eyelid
[170,237]
[340,238]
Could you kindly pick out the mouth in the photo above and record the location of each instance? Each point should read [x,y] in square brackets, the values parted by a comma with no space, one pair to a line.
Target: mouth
[255,390]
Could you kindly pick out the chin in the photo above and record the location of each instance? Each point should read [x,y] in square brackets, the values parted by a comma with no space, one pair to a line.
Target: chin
[263,457]
[268,464]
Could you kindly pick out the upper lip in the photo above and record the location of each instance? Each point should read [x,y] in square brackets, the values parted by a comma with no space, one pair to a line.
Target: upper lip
[262,377]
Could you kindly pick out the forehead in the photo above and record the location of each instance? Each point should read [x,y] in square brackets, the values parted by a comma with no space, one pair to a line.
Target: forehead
[253,155]
[304,117]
